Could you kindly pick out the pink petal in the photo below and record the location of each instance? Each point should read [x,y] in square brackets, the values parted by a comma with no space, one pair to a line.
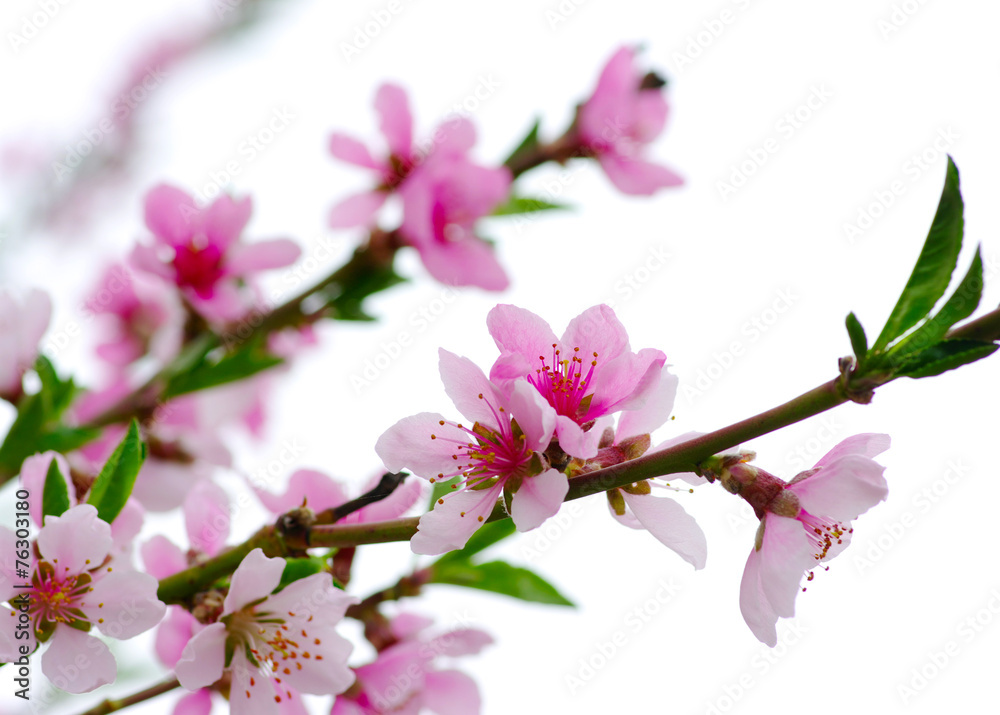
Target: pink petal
[538,498]
[261,256]
[357,210]
[206,516]
[754,606]
[455,136]
[866,445]
[518,330]
[616,86]
[596,329]
[785,554]
[534,415]
[408,444]
[464,641]
[319,490]
[352,151]
[173,635]
[650,115]
[474,395]
[62,663]
[449,525]
[34,470]
[625,381]
[171,215]
[467,262]
[123,603]
[673,527]
[395,120]
[162,557]
[449,692]
[637,177]
[225,220]
[392,507]
[574,441]
[255,577]
[145,258]
[406,626]
[252,693]
[513,366]
[843,489]
[34,314]
[197,703]
[77,540]
[127,525]
[203,659]
[652,415]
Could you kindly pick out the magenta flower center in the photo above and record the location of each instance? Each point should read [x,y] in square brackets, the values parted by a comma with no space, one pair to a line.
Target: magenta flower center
[198,268]
[270,644]
[823,533]
[564,384]
[56,600]
[492,453]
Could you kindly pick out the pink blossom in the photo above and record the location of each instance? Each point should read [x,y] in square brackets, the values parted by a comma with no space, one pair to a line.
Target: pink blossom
[200,251]
[404,679]
[803,523]
[22,324]
[588,373]
[442,199]
[273,645]
[396,124]
[76,585]
[500,451]
[142,317]
[626,112]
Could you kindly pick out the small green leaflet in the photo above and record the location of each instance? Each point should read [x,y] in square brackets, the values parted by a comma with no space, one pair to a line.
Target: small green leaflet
[55,493]
[113,485]
[499,577]
[527,146]
[525,204]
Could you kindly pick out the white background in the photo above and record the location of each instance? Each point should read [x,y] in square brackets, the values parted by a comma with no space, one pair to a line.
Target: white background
[899,595]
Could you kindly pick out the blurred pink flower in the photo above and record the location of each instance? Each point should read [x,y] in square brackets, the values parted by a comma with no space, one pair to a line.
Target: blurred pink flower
[22,324]
[404,679]
[273,645]
[75,586]
[803,523]
[496,452]
[588,373]
[626,112]
[199,250]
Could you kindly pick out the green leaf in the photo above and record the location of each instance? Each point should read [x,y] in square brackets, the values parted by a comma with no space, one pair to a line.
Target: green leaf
[440,489]
[57,393]
[859,342]
[527,146]
[485,537]
[959,306]
[113,485]
[499,577]
[22,438]
[346,300]
[65,439]
[55,493]
[244,362]
[299,568]
[934,267]
[946,355]
[525,204]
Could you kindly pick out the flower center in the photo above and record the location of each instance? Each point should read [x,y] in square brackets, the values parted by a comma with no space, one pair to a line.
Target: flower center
[56,600]
[198,267]
[563,384]
[823,533]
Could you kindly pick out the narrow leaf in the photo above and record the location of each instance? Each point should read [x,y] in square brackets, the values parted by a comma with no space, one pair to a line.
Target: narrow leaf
[859,342]
[500,577]
[113,485]
[55,493]
[946,355]
[525,204]
[934,267]
[441,488]
[959,306]
[246,361]
[485,537]
[527,146]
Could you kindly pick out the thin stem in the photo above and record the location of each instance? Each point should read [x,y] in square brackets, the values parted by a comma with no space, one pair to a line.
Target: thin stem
[111,706]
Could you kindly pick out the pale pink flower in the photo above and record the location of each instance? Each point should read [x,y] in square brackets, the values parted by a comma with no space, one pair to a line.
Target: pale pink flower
[76,586]
[500,450]
[626,112]
[200,251]
[273,645]
[442,199]
[405,680]
[142,317]
[588,373]
[22,323]
[804,523]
